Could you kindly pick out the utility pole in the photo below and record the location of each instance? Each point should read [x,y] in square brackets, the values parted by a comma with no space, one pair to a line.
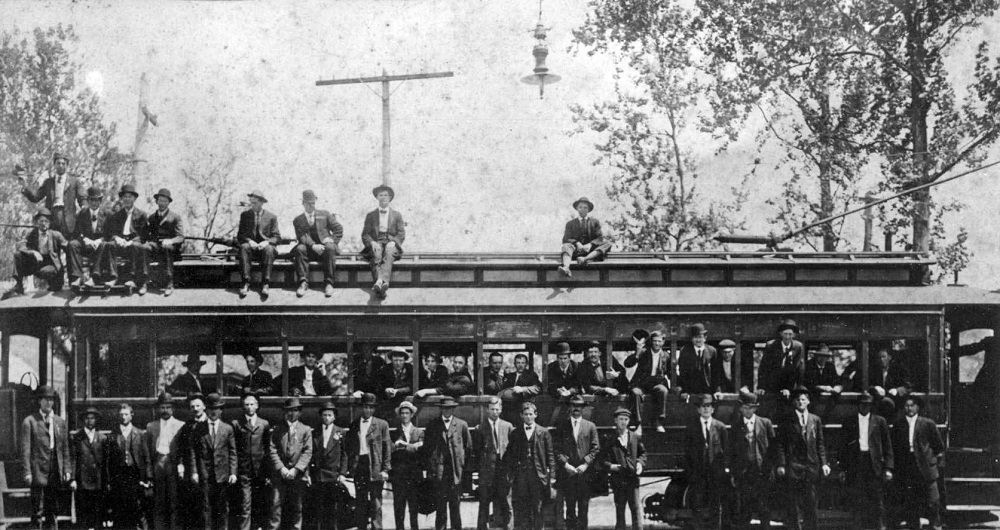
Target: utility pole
[384,79]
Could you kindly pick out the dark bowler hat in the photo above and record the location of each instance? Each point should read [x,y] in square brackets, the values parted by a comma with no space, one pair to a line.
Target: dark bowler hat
[399,352]
[194,359]
[788,324]
[94,192]
[293,403]
[578,401]
[60,156]
[43,212]
[448,402]
[727,344]
[164,192]
[563,347]
[823,350]
[308,195]
[866,398]
[584,200]
[128,189]
[640,334]
[257,194]
[89,411]
[213,401]
[45,391]
[702,399]
[749,399]
[697,330]
[622,411]
[328,405]
[368,399]
[164,398]
[378,189]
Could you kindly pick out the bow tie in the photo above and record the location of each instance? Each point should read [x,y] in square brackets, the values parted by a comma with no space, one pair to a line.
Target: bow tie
[383,211]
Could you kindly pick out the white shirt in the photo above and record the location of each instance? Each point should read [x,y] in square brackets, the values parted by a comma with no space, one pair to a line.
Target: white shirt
[91,433]
[656,362]
[493,429]
[127,230]
[749,423]
[307,383]
[529,431]
[727,368]
[803,418]
[327,431]
[863,431]
[60,189]
[213,428]
[576,427]
[252,421]
[126,430]
[912,420]
[623,439]
[47,418]
[447,422]
[383,220]
[311,217]
[93,220]
[363,427]
[704,428]
[407,429]
[167,432]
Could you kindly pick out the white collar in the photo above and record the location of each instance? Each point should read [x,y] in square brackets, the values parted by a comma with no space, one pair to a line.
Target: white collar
[911,419]
[864,416]
[750,420]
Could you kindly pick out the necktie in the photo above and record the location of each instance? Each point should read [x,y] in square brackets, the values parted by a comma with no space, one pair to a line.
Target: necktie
[705,431]
[93,221]
[257,226]
[213,431]
[586,224]
[496,441]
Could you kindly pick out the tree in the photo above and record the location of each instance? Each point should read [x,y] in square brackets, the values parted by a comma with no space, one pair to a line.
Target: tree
[44,111]
[644,132]
[211,204]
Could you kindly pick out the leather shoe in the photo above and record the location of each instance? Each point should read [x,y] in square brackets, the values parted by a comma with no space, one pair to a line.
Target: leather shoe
[168,290]
[143,289]
[301,291]
[328,291]
[244,290]
[265,290]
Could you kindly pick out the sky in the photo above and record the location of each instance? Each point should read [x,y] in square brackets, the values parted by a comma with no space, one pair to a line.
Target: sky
[479,162]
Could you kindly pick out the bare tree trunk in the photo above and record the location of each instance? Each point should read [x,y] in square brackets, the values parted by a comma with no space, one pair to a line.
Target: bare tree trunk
[917,51]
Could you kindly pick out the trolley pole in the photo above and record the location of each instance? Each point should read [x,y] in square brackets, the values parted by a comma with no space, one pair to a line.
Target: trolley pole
[384,80]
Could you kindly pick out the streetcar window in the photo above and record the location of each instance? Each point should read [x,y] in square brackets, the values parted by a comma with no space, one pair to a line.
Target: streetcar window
[506,353]
[903,361]
[972,344]
[184,368]
[330,362]
[368,361]
[239,358]
[451,355]
[120,369]
[23,360]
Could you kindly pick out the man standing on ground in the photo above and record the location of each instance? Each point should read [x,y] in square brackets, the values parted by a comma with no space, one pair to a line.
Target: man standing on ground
[87,450]
[918,452]
[290,451]
[751,441]
[45,457]
[705,443]
[492,439]
[447,444]
[576,446]
[127,464]
[801,459]
[327,465]
[252,457]
[867,456]
[369,460]
[530,462]
[211,457]
[162,444]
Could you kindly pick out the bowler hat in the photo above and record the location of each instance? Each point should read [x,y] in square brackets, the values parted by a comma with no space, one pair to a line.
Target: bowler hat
[89,411]
[697,330]
[622,411]
[45,391]
[399,352]
[702,399]
[726,343]
[257,194]
[640,334]
[368,399]
[585,201]
[578,401]
[866,398]
[749,399]
[94,192]
[164,192]
[563,347]
[128,189]
[788,324]
[328,405]
[378,189]
[193,359]
[448,402]
[60,156]
[213,401]
[43,212]
[406,405]
[165,398]
[308,195]
[293,403]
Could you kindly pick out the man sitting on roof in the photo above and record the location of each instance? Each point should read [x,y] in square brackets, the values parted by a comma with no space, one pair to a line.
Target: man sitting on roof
[582,238]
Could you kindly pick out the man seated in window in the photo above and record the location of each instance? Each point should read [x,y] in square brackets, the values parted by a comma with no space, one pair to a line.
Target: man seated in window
[889,377]
[821,374]
[432,374]
[562,381]
[519,386]
[365,369]
[591,375]
[493,377]
[724,369]
[457,384]
[189,382]
[397,377]
[309,378]
[257,381]
[847,370]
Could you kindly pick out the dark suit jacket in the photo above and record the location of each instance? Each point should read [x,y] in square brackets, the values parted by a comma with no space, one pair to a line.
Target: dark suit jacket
[366,375]
[719,381]
[447,449]
[88,460]
[814,375]
[590,378]
[459,384]
[56,243]
[268,227]
[528,379]
[161,228]
[115,448]
[436,380]
[739,446]
[695,374]
[212,458]
[328,460]
[644,368]
[880,457]
[701,464]
[290,447]
[800,454]
[85,228]
[403,382]
[542,467]
[35,455]
[74,196]
[629,457]
[577,451]
[327,227]
[379,447]
[578,231]
[927,446]
[492,382]
[554,378]
[115,227]
[251,446]
[485,449]
[898,376]
[296,376]
[259,381]
[396,230]
[184,384]
[777,372]
[408,462]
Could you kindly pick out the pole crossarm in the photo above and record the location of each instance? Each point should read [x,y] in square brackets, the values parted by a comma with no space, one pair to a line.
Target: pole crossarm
[383,78]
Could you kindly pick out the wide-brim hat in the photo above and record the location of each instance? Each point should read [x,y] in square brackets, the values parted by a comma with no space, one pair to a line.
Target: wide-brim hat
[702,399]
[379,189]
[726,344]
[578,401]
[94,192]
[563,347]
[293,403]
[448,402]
[640,334]
[45,391]
[257,194]
[399,352]
[406,405]
[583,200]
[213,401]
[164,398]
[697,329]
[164,192]
[90,410]
[788,324]
[128,189]
[328,405]
[60,156]
[368,399]
[749,399]
[308,195]
[622,411]
[43,212]
[192,359]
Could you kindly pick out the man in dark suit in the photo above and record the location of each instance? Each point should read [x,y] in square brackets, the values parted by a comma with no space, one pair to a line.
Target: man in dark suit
[519,386]
[867,457]
[458,383]
[326,466]
[383,236]
[63,194]
[257,236]
[582,238]
[126,463]
[724,369]
[889,378]
[530,462]
[624,456]
[87,452]
[592,377]
[447,443]
[38,254]
[369,461]
[561,380]
[750,445]
[123,236]
[576,446]
[211,457]
[820,375]
[784,361]
[366,369]
[705,444]
[918,451]
[307,379]
[407,466]
[652,376]
[397,377]
[257,381]
[493,376]
[45,457]
[290,448]
[252,434]
[164,239]
[801,459]
[189,382]
[695,364]
[86,241]
[491,442]
[432,374]
[163,446]
[318,233]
